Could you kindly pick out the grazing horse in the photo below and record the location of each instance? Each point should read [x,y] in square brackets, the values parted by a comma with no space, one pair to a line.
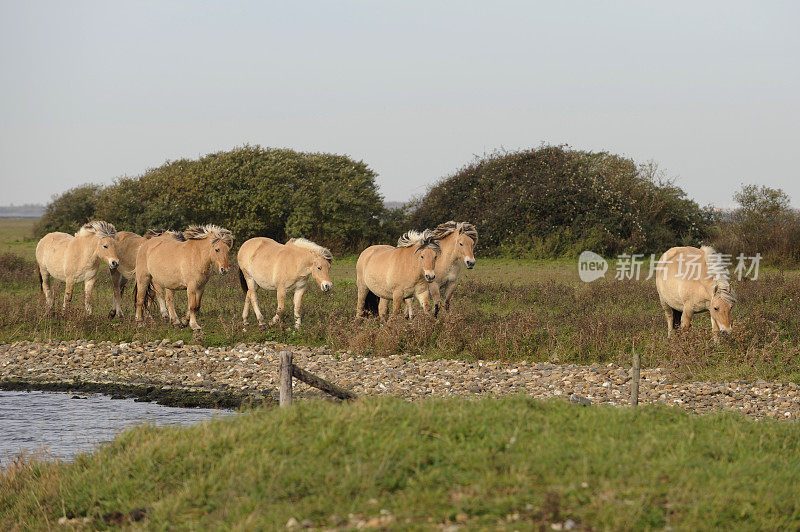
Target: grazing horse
[691,280]
[273,266]
[181,261]
[457,240]
[76,259]
[396,273]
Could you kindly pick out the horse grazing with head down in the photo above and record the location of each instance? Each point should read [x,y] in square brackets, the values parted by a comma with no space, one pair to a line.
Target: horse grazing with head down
[181,261]
[691,280]
[396,273]
[76,259]
[457,240]
[281,267]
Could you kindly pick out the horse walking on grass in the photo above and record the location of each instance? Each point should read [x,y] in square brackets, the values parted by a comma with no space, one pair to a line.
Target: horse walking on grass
[691,280]
[181,261]
[396,273]
[281,267]
[457,240]
[76,259]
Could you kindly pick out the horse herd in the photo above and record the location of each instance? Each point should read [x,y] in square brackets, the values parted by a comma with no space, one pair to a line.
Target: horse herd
[424,265]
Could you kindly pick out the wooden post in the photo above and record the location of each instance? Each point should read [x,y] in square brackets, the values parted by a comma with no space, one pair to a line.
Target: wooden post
[312,380]
[635,374]
[285,378]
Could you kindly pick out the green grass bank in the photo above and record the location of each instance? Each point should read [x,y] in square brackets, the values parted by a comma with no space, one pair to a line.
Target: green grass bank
[513,463]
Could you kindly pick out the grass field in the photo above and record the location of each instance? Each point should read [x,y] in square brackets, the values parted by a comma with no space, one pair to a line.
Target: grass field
[503,310]
[515,464]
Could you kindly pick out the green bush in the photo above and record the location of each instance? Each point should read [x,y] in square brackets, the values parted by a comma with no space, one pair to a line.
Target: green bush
[68,211]
[252,191]
[554,201]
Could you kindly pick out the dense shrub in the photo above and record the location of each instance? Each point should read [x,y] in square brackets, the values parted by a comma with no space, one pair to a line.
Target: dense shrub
[68,211]
[252,191]
[763,223]
[554,201]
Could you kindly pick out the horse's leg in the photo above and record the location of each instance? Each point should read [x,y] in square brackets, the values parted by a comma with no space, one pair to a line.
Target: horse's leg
[48,291]
[162,303]
[686,319]
[69,286]
[397,303]
[362,297]
[298,302]
[88,288]
[409,307]
[383,309]
[670,315]
[281,302]
[448,294]
[169,301]
[424,301]
[142,283]
[194,303]
[436,296]
[116,288]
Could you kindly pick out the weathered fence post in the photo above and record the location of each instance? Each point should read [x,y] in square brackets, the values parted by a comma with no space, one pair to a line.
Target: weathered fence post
[635,373]
[285,378]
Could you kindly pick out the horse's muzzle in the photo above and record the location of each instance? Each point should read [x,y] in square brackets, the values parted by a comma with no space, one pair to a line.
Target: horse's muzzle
[470,263]
[430,277]
[223,271]
[113,264]
[326,286]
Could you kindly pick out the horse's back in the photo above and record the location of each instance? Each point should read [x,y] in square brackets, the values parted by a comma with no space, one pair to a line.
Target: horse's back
[681,276]
[256,251]
[51,251]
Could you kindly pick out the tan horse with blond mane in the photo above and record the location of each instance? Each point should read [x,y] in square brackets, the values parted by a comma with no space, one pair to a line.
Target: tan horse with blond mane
[181,261]
[691,280]
[128,245]
[76,259]
[281,267]
[457,240]
[396,273]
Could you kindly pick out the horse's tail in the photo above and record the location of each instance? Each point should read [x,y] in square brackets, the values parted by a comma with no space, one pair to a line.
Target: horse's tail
[149,295]
[677,315]
[243,282]
[371,303]
[41,281]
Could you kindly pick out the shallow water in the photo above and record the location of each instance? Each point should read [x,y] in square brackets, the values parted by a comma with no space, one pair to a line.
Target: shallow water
[63,426]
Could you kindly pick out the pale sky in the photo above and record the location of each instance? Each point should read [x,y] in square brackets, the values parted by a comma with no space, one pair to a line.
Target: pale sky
[90,91]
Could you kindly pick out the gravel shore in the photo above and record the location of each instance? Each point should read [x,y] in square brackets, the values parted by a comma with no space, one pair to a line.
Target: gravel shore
[252,370]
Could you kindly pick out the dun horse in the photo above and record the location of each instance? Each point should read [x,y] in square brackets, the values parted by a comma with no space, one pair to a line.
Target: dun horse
[76,259]
[457,240]
[691,280]
[128,245]
[396,273]
[176,261]
[272,266]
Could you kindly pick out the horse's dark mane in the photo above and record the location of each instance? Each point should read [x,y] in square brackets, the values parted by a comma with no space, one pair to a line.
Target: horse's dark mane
[446,228]
[177,235]
[200,232]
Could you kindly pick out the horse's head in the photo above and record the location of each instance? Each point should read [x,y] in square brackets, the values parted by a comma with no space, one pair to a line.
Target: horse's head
[465,245]
[427,253]
[721,304]
[107,251]
[104,236]
[462,236]
[219,254]
[321,271]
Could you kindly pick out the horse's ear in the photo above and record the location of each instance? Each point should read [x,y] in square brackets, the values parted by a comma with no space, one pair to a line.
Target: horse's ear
[716,289]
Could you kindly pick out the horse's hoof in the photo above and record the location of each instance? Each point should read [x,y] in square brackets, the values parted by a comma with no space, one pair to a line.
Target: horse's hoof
[262,326]
[165,319]
[111,314]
